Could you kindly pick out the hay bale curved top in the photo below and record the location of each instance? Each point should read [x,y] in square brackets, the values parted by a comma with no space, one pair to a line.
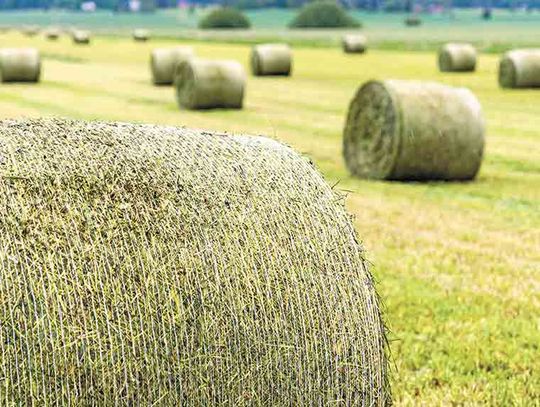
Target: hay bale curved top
[225,18]
[141,34]
[457,57]
[414,130]
[271,59]
[20,65]
[163,63]
[81,36]
[354,43]
[142,263]
[520,69]
[323,14]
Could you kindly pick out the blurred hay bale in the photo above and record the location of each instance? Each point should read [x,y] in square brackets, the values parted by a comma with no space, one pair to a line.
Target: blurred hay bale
[30,30]
[271,59]
[412,130]
[163,63]
[141,35]
[413,21]
[52,33]
[520,69]
[455,57]
[207,84]
[20,65]
[144,265]
[354,43]
[81,36]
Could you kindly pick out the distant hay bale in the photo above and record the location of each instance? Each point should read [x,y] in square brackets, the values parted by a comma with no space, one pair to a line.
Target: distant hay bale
[520,69]
[354,43]
[20,65]
[454,57]
[52,33]
[163,63]
[81,36]
[141,35]
[144,265]
[30,30]
[411,130]
[271,59]
[207,84]
[413,21]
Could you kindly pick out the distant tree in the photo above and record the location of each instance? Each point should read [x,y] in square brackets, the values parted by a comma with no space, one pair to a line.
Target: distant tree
[323,14]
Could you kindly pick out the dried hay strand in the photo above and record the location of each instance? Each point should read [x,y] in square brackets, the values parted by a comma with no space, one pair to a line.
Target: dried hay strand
[81,37]
[271,59]
[520,69]
[20,65]
[141,35]
[456,57]
[52,33]
[354,44]
[146,265]
[208,84]
[163,63]
[412,130]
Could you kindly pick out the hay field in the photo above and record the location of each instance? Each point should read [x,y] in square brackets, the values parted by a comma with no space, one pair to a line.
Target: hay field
[458,264]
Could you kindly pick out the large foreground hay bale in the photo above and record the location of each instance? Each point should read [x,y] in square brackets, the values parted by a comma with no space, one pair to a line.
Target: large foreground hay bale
[455,57]
[20,65]
[409,130]
[163,63]
[354,43]
[144,265]
[141,35]
[271,59]
[207,84]
[520,69]
[81,37]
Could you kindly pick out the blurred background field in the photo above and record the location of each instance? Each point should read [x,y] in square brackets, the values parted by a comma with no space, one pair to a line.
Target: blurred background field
[457,264]
[507,29]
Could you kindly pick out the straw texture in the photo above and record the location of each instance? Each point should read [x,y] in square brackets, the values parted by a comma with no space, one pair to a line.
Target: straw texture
[520,69]
[456,57]
[409,130]
[81,36]
[163,63]
[20,65]
[271,59]
[145,265]
[206,84]
[354,44]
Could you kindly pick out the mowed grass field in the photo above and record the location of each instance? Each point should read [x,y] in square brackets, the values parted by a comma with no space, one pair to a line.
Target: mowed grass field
[457,264]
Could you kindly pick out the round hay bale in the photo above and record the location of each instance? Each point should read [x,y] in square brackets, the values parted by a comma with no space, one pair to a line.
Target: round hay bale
[144,265]
[271,59]
[354,44]
[52,33]
[207,84]
[141,35]
[520,69]
[20,65]
[413,21]
[457,58]
[411,130]
[81,36]
[30,30]
[163,63]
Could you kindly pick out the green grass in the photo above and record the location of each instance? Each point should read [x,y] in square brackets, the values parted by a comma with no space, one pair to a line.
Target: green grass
[457,264]
[385,31]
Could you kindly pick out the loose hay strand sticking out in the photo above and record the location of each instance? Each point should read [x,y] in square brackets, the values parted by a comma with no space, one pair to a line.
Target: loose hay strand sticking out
[141,35]
[81,36]
[520,69]
[207,84]
[354,43]
[20,65]
[271,59]
[163,63]
[411,130]
[144,264]
[454,57]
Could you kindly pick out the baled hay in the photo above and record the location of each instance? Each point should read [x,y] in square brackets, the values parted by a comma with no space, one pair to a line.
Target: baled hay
[30,30]
[52,33]
[163,63]
[413,21]
[456,57]
[20,65]
[81,36]
[520,69]
[144,265]
[141,35]
[411,130]
[354,44]
[207,84]
[271,59]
